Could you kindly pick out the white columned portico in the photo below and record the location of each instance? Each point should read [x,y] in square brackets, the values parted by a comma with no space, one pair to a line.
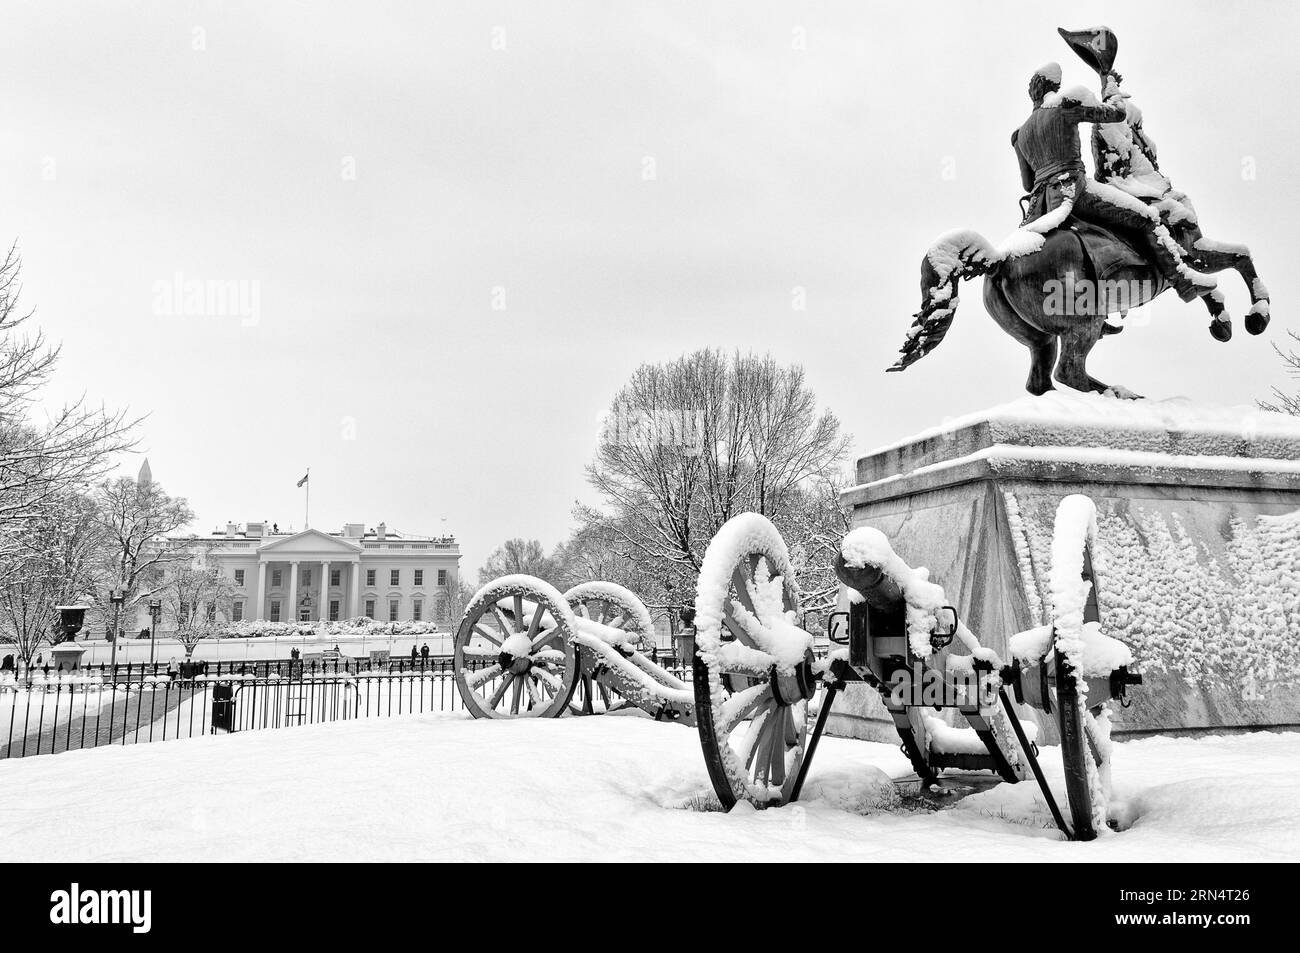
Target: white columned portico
[314,552]
[260,614]
[323,613]
[293,593]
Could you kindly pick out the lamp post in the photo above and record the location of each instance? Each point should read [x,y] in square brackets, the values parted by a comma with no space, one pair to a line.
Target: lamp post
[117,597]
[155,610]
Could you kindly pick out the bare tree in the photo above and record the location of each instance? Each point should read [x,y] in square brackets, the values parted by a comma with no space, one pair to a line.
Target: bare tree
[136,519]
[55,565]
[1283,402]
[198,597]
[458,598]
[813,525]
[518,556]
[595,551]
[689,444]
[42,460]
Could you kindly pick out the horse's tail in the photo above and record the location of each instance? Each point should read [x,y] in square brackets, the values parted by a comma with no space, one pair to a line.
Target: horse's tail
[957,255]
[967,254]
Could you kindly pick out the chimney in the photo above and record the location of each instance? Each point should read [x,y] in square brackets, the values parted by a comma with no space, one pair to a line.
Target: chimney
[232,529]
[381,530]
[354,530]
[254,529]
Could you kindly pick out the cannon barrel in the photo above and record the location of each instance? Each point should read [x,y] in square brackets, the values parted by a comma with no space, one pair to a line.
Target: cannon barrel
[875,585]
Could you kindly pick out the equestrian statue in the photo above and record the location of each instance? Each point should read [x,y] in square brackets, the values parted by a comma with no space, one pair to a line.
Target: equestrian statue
[1087,248]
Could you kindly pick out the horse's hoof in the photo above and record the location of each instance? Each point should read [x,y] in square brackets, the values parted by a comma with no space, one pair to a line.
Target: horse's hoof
[1221,330]
[1256,321]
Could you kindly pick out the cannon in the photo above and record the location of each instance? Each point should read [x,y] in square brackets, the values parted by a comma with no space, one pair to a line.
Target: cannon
[523,649]
[762,699]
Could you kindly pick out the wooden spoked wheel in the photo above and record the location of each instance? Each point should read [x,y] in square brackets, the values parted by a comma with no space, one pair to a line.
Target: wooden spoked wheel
[514,655]
[1084,752]
[618,608]
[610,604]
[752,688]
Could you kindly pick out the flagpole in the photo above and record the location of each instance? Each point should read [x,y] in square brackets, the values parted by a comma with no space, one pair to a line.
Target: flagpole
[306,517]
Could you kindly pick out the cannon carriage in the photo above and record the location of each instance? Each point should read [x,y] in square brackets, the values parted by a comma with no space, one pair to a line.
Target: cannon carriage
[763,700]
[523,649]
[760,698]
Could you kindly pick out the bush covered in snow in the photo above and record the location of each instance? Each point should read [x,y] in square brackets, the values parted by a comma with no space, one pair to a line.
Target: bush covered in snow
[360,626]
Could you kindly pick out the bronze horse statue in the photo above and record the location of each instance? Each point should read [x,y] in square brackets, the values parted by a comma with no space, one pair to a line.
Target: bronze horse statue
[1031,283]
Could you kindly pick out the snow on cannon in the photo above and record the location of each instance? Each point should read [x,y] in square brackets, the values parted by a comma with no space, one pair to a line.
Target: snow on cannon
[522,649]
[762,700]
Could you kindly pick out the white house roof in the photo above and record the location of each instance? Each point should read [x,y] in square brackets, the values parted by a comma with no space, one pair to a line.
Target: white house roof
[310,542]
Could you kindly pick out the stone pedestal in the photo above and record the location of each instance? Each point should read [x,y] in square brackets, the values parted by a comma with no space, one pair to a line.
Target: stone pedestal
[68,655]
[1199,524]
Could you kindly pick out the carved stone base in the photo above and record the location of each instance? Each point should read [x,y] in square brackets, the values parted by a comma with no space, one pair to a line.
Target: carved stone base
[1199,523]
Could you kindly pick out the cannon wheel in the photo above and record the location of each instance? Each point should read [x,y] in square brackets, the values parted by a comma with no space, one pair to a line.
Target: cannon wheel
[609,604]
[754,742]
[1084,753]
[514,655]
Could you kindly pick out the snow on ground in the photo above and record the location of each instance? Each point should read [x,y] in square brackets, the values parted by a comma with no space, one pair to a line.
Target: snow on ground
[446,787]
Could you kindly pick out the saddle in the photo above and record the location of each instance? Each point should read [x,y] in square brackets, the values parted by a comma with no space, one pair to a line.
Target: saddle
[1108,250]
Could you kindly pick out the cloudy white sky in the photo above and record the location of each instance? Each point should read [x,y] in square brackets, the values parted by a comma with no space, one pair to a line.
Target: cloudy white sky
[379,169]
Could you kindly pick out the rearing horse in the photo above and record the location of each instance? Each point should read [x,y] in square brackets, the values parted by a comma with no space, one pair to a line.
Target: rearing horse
[1028,280]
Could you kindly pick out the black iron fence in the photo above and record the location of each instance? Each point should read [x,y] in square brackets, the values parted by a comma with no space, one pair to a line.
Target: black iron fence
[96,706]
[284,668]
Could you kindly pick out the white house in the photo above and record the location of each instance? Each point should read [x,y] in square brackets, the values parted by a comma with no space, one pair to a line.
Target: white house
[314,575]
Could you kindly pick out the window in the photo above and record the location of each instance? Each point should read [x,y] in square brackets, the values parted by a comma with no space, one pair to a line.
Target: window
[184,614]
[442,577]
[306,577]
[392,610]
[395,577]
[416,609]
[275,610]
[211,612]
[370,608]
[442,610]
[419,577]
[370,577]
[237,613]
[336,577]
[239,577]
[334,610]
[275,577]
[304,614]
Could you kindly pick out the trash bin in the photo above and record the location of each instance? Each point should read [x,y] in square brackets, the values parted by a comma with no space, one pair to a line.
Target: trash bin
[223,706]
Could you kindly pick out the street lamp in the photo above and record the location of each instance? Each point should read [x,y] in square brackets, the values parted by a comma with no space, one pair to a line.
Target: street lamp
[117,597]
[155,611]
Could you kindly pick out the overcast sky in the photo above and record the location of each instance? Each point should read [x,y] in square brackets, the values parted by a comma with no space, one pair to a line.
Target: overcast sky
[378,171]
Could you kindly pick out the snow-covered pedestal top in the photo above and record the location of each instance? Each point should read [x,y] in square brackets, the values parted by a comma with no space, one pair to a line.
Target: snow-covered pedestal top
[1070,436]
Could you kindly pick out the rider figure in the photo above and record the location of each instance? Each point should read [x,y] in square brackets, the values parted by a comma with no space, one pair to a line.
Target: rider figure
[1051,169]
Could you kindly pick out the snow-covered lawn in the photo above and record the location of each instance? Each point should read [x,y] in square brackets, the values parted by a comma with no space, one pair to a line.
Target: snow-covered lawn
[446,787]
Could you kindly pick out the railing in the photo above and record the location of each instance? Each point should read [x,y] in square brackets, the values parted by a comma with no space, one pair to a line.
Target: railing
[99,706]
[285,668]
